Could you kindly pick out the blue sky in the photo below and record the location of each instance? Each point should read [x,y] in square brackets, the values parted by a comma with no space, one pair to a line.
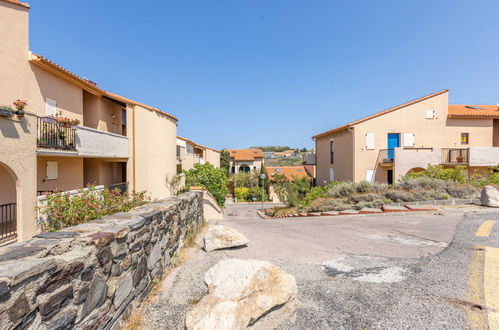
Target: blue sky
[274,72]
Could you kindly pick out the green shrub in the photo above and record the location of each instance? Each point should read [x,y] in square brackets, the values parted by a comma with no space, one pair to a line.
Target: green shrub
[64,210]
[313,194]
[399,195]
[207,176]
[242,193]
[456,174]
[246,179]
[328,204]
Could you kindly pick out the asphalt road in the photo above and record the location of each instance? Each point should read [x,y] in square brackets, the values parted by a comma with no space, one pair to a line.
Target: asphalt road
[421,271]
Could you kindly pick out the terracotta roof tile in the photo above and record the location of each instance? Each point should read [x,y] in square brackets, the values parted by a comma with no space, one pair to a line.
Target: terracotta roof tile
[88,84]
[340,128]
[473,111]
[15,2]
[245,154]
[289,172]
[195,144]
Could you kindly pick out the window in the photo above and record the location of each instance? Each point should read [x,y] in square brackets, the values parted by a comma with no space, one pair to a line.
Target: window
[370,141]
[408,139]
[50,107]
[465,138]
[430,114]
[331,149]
[52,171]
[369,175]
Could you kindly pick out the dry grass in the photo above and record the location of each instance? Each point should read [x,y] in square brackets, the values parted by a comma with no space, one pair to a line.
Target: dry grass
[135,322]
[194,301]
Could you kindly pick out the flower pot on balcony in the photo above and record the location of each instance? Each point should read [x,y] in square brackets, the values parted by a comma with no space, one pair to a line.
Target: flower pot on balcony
[459,159]
[20,113]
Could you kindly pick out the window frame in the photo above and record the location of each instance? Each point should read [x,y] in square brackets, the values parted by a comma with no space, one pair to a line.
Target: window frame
[331,151]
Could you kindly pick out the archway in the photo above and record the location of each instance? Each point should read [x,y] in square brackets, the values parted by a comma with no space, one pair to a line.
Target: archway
[8,204]
[415,170]
[244,168]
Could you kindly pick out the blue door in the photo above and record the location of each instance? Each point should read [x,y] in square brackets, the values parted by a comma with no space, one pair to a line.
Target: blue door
[393,142]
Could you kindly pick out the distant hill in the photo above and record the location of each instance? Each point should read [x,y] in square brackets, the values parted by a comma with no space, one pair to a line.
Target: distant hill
[276,148]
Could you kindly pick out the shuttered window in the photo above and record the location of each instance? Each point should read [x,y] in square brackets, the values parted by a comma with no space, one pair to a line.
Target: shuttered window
[430,114]
[370,143]
[50,107]
[52,171]
[331,149]
[408,139]
[369,175]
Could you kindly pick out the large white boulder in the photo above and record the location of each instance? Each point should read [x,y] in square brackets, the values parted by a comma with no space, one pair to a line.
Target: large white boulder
[240,291]
[222,237]
[490,196]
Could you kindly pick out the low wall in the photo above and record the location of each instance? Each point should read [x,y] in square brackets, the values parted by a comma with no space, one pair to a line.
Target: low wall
[90,276]
[211,209]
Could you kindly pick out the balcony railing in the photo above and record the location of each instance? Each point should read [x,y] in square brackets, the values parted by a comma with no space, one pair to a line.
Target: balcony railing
[384,157]
[8,222]
[54,135]
[122,187]
[455,156]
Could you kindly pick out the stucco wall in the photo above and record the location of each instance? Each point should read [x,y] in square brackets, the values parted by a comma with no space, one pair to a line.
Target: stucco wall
[7,186]
[18,155]
[14,50]
[95,143]
[343,157]
[407,159]
[484,156]
[213,157]
[154,140]
[70,173]
[438,132]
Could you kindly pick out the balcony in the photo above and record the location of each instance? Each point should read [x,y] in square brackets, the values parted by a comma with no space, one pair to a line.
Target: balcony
[385,158]
[484,156]
[91,142]
[54,138]
[454,156]
[52,135]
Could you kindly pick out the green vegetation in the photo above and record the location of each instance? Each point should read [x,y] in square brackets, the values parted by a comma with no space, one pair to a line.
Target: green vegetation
[435,183]
[294,160]
[272,148]
[207,176]
[248,185]
[291,192]
[225,161]
[64,210]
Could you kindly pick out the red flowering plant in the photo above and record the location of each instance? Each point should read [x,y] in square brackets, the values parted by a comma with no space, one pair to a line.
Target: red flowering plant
[20,106]
[65,120]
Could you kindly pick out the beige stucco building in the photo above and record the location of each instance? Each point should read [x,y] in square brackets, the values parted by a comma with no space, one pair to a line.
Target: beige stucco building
[190,153]
[427,131]
[245,160]
[114,144]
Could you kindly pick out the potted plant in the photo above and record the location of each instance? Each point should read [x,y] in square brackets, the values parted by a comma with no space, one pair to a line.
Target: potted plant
[20,106]
[459,159]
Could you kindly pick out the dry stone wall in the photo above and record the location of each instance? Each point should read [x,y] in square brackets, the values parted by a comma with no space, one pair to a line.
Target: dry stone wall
[90,276]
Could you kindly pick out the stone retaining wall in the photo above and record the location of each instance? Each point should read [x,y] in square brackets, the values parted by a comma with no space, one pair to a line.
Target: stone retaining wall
[90,276]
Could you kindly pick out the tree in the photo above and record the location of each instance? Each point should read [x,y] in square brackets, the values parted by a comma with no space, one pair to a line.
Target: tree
[207,176]
[173,183]
[225,161]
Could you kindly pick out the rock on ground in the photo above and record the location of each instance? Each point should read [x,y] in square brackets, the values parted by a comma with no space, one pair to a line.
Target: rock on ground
[240,291]
[222,237]
[490,196]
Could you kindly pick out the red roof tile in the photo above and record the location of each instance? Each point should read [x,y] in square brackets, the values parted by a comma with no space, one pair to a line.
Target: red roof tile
[473,111]
[289,172]
[15,2]
[245,154]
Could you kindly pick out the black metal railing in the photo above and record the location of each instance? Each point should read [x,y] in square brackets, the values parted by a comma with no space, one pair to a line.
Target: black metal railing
[8,222]
[54,135]
[455,156]
[122,187]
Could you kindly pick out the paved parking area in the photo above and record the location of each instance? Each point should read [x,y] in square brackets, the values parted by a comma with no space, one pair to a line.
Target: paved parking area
[419,271]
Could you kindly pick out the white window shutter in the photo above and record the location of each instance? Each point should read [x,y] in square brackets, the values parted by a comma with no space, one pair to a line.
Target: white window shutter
[331,174]
[50,107]
[430,114]
[408,139]
[52,171]
[369,175]
[370,141]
